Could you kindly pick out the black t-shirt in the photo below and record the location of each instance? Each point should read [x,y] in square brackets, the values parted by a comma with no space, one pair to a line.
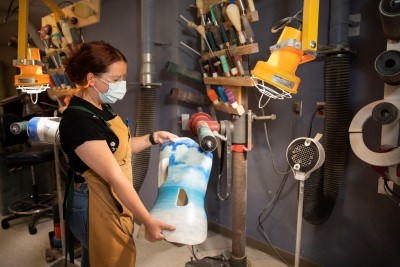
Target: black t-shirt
[78,126]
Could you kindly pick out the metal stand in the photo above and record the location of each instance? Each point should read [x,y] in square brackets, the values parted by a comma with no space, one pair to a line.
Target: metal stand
[299,223]
[59,195]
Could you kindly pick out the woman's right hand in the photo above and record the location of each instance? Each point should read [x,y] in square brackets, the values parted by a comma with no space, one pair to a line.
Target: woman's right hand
[154,230]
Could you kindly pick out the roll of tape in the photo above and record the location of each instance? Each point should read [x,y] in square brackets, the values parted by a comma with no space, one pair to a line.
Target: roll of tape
[358,146]
[385,113]
[390,16]
[387,64]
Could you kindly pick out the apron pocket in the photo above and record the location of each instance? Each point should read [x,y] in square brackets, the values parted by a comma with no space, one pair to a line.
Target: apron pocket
[126,224]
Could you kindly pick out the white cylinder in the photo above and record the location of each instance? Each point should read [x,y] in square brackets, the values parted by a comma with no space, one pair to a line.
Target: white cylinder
[43,129]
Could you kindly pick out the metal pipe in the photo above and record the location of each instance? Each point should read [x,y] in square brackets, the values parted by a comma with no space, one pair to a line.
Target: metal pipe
[239,194]
[239,190]
[339,23]
[147,95]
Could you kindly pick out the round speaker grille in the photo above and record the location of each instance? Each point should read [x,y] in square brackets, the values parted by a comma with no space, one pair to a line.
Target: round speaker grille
[305,156]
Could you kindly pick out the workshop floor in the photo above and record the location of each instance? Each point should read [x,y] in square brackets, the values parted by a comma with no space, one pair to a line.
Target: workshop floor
[20,249]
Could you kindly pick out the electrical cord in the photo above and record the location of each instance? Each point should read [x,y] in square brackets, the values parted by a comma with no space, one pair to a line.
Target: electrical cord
[269,208]
[191,248]
[312,122]
[9,12]
[390,197]
[285,21]
[270,148]
[390,190]
[267,139]
[271,205]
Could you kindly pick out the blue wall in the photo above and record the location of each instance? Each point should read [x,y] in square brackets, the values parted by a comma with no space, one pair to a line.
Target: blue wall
[363,227]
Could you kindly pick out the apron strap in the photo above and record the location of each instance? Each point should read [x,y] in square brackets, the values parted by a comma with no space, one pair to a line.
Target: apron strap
[97,116]
[90,112]
[67,213]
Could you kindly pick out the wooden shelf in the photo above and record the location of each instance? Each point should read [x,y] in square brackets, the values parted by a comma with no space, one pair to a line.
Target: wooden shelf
[241,50]
[234,81]
[229,109]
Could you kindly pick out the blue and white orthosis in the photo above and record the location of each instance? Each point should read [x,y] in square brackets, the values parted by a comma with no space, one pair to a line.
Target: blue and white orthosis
[184,171]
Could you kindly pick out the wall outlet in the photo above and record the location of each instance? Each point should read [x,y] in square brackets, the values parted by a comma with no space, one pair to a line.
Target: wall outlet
[354,25]
[321,109]
[298,108]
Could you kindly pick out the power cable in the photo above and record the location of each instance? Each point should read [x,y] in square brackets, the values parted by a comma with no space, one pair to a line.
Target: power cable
[271,205]
[395,201]
[390,190]
[312,122]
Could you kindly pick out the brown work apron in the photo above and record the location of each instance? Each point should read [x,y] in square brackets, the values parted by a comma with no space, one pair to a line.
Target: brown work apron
[110,222]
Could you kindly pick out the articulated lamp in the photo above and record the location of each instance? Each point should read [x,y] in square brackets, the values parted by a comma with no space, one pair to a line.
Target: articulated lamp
[31,79]
[294,47]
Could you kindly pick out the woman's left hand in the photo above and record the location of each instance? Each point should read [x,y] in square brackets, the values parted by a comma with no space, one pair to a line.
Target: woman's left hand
[153,230]
[164,136]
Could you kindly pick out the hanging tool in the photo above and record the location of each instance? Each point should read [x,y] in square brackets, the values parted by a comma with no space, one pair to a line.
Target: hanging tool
[218,65]
[211,41]
[231,97]
[212,95]
[200,29]
[232,11]
[222,95]
[203,64]
[246,24]
[212,68]
[233,40]
[199,5]
[247,29]
[225,66]
[242,7]
[217,38]
[216,30]
[238,60]
[250,5]
[234,70]
[190,48]
[216,10]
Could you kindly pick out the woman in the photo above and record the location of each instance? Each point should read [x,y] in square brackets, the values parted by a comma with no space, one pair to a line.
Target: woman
[99,147]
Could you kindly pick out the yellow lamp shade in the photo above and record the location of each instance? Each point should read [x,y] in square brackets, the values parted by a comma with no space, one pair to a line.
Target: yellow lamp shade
[31,73]
[282,64]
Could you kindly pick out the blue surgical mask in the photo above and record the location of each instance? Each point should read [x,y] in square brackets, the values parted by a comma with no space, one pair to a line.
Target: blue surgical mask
[116,91]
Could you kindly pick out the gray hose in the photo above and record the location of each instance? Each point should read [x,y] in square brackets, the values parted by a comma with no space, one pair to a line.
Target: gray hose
[147,96]
[322,188]
[145,125]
